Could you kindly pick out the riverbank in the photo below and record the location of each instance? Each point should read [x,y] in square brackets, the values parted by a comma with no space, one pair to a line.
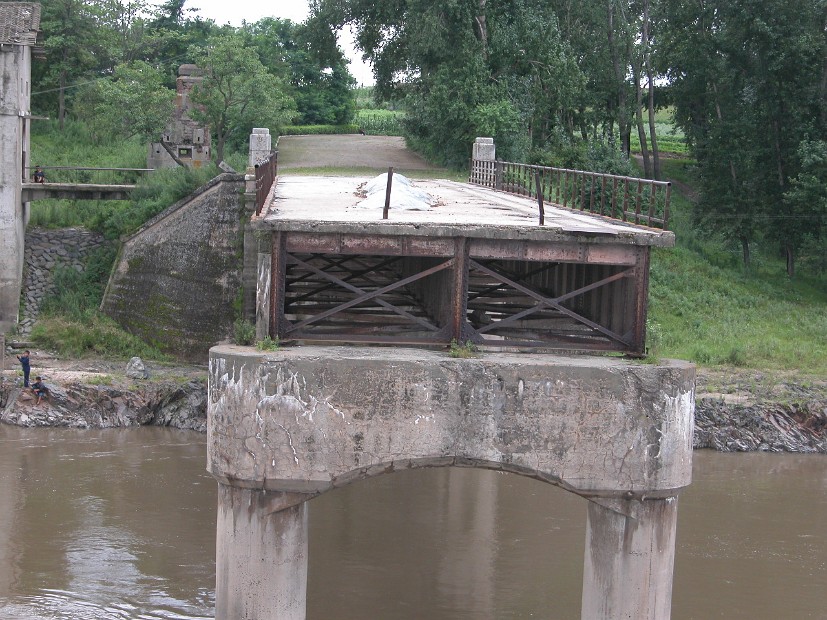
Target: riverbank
[736,410]
[91,393]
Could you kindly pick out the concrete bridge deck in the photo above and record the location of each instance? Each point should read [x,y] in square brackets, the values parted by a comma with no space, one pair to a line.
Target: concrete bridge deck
[324,204]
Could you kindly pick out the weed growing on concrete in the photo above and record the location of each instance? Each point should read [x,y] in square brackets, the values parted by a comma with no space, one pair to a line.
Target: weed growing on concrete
[465,350]
[268,344]
[244,332]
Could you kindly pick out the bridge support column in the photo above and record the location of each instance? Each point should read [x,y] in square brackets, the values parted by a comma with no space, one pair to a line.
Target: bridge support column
[305,420]
[630,553]
[261,554]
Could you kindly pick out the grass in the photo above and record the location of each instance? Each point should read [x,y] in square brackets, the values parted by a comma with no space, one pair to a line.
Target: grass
[70,323]
[92,335]
[75,147]
[704,306]
[100,380]
[717,316]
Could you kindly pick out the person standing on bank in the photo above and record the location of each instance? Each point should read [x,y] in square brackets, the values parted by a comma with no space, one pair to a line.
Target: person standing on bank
[24,363]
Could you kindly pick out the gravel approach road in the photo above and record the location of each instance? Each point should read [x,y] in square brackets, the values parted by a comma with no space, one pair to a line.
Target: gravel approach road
[348,151]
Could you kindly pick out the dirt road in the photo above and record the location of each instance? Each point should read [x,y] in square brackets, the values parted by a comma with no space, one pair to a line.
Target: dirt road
[348,151]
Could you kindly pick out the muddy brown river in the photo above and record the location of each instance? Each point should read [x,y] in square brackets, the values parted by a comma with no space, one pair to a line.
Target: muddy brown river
[120,524]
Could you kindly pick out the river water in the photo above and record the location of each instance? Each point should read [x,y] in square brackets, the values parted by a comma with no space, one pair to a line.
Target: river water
[120,524]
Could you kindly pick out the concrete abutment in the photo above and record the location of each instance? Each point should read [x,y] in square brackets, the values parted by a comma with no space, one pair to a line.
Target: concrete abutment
[288,425]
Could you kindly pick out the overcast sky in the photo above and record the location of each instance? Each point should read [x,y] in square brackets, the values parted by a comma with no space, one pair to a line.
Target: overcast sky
[236,11]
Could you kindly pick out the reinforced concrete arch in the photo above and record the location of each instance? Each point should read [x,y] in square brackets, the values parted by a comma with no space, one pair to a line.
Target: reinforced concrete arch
[287,426]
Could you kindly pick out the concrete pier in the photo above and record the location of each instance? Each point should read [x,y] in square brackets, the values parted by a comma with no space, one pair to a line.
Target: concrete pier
[286,426]
[261,554]
[630,554]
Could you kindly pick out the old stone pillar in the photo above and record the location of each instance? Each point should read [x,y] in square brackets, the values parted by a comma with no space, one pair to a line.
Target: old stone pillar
[261,554]
[260,145]
[484,149]
[630,553]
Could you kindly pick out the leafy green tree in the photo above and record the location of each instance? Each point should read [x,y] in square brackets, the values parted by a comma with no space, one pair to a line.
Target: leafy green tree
[133,102]
[804,207]
[172,32]
[238,93]
[320,81]
[123,29]
[746,78]
[72,48]
[464,67]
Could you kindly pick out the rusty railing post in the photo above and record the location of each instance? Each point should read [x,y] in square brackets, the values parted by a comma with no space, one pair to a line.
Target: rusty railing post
[459,294]
[540,197]
[388,194]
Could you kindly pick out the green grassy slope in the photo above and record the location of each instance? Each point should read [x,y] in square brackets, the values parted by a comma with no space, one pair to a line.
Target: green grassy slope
[704,306]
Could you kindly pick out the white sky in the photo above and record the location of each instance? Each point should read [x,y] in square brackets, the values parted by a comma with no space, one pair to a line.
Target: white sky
[236,11]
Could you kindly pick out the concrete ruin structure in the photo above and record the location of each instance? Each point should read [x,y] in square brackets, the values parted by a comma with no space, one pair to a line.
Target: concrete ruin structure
[471,268]
[185,141]
[19,27]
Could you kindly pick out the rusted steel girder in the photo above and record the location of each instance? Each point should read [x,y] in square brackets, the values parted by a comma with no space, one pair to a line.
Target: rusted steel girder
[410,291]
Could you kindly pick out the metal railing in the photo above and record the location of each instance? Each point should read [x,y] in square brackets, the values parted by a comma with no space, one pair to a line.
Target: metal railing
[266,173]
[87,175]
[638,201]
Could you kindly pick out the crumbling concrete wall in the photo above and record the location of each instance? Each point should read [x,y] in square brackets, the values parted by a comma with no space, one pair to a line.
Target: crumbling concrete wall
[177,281]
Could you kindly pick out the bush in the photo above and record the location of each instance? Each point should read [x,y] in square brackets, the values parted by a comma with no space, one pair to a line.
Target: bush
[463,351]
[244,332]
[268,344]
[79,292]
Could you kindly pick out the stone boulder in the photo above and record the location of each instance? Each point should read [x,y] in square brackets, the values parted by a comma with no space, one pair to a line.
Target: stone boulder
[136,369]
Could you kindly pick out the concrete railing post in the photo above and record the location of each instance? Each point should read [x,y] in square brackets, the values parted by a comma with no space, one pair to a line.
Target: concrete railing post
[260,145]
[262,542]
[630,553]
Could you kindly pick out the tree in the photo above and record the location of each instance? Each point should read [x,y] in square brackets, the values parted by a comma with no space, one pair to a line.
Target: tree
[746,77]
[71,50]
[133,102]
[237,93]
[804,208]
[320,81]
[464,68]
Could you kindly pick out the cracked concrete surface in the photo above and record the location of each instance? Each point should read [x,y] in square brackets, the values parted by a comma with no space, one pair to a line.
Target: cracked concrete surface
[309,420]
